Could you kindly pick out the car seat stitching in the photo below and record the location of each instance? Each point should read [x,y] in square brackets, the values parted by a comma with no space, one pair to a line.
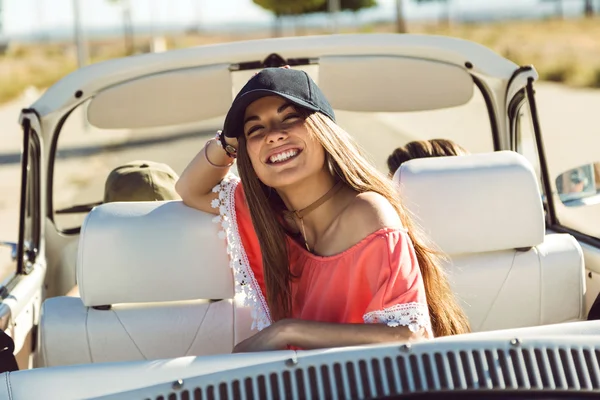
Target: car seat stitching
[87,335]
[499,291]
[234,318]
[198,330]
[8,386]
[541,298]
[80,251]
[128,334]
[583,313]
[454,271]
[43,337]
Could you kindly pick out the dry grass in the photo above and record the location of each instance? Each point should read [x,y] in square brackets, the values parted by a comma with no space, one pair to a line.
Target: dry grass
[25,66]
[566,51]
[562,51]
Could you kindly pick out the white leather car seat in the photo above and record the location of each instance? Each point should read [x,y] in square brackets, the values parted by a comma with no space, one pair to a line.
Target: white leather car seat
[485,212]
[147,272]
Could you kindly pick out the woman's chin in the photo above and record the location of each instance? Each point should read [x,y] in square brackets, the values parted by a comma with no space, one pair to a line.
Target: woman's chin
[284,178]
[282,183]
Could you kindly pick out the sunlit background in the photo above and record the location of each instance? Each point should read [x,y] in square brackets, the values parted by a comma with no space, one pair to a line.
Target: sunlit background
[39,38]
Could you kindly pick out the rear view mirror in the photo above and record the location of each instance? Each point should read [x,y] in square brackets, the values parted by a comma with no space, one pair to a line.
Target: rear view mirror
[579,186]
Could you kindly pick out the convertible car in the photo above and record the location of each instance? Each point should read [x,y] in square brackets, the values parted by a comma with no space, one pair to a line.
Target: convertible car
[158,312]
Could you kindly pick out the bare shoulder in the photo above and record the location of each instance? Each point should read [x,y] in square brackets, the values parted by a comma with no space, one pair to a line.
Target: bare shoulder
[369,212]
[365,214]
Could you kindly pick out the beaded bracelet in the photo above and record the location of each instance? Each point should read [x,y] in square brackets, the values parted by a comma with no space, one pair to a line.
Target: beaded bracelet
[229,149]
[210,162]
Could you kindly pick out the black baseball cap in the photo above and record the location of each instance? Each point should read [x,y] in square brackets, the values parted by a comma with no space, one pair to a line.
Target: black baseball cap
[291,84]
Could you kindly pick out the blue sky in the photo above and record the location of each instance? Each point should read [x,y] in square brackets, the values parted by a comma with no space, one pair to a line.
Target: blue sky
[25,16]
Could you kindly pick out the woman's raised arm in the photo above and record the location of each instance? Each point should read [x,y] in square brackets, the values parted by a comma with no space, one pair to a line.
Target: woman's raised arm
[203,173]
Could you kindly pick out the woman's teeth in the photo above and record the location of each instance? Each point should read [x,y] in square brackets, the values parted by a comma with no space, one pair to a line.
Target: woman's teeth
[281,157]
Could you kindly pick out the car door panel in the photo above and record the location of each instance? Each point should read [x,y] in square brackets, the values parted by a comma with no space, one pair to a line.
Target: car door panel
[21,303]
[591,256]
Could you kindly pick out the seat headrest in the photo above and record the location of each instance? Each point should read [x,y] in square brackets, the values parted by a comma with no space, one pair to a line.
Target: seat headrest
[138,252]
[474,203]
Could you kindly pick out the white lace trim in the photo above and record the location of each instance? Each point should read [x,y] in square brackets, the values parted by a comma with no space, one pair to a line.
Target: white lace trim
[413,315]
[246,285]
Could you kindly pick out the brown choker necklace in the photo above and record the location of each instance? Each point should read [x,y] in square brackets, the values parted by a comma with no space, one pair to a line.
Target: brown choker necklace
[300,214]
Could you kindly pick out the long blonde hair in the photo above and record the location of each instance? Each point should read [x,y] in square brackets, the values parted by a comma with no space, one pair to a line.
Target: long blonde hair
[352,168]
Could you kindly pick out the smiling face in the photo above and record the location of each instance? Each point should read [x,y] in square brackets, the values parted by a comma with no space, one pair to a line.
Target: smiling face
[280,147]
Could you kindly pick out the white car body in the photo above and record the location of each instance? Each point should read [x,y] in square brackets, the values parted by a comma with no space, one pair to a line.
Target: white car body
[172,90]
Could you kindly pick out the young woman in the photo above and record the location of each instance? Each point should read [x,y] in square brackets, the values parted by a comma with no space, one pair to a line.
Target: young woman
[321,246]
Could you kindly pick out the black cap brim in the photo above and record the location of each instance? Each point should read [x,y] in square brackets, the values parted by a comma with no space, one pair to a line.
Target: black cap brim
[233,126]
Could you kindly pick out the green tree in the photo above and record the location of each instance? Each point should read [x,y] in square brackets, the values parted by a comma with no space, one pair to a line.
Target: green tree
[357,5]
[345,5]
[298,8]
[289,7]
[281,8]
